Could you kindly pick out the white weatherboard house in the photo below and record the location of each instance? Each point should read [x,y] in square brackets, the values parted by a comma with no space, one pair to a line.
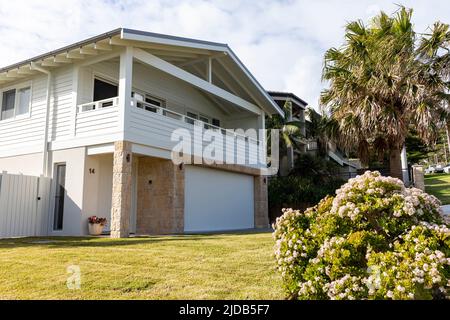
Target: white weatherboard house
[97,117]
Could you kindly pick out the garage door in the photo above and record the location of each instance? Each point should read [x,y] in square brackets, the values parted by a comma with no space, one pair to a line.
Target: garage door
[217,200]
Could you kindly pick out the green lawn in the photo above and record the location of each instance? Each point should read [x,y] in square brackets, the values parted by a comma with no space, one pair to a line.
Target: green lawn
[439,186]
[227,266]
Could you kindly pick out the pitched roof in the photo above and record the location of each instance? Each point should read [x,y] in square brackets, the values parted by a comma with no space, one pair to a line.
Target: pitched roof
[295,98]
[258,92]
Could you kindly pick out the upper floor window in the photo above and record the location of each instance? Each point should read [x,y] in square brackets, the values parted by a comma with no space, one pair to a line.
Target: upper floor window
[154,101]
[15,102]
[104,89]
[216,122]
[148,102]
[192,116]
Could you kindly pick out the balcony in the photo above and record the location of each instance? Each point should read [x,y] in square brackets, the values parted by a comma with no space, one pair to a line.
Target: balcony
[152,125]
[311,145]
[97,118]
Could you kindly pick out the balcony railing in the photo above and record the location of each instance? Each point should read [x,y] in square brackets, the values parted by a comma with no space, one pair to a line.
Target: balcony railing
[311,145]
[153,125]
[96,105]
[97,118]
[189,120]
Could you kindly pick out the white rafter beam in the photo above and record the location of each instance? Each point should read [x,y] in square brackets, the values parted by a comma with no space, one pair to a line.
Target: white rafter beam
[239,82]
[74,55]
[49,63]
[62,59]
[88,51]
[100,58]
[212,98]
[13,74]
[209,70]
[102,46]
[202,59]
[229,86]
[154,46]
[168,53]
[181,74]
[25,70]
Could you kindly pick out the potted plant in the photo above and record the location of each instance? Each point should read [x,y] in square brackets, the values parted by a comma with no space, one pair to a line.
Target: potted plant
[96,225]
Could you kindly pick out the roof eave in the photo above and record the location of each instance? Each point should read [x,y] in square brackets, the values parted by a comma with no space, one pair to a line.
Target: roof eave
[94,39]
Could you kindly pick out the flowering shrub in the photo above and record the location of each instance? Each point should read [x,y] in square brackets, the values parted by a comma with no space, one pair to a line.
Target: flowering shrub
[375,239]
[97,220]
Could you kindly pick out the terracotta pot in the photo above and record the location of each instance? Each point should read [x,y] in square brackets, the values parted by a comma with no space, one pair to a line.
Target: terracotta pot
[95,229]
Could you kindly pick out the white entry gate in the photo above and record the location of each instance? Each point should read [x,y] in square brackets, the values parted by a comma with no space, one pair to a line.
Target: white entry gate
[24,205]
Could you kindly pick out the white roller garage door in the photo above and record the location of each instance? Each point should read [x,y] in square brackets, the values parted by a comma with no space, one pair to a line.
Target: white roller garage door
[217,200]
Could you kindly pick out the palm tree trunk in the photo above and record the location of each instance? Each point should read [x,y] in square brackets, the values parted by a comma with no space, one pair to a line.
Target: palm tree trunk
[395,163]
[447,129]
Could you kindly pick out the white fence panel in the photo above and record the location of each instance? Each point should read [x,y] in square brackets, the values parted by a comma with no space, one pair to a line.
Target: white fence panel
[24,205]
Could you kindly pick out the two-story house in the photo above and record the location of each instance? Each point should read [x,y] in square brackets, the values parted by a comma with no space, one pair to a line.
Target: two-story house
[99,117]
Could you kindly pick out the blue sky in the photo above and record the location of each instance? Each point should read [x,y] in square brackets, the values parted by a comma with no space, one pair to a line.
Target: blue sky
[282,42]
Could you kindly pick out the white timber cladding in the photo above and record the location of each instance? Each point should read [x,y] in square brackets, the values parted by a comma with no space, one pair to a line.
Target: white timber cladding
[19,134]
[61,104]
[25,134]
[217,200]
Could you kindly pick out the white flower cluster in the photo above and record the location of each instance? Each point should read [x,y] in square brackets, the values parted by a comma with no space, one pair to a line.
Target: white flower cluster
[329,247]
[288,246]
[418,267]
[439,228]
[347,288]
[309,246]
[384,190]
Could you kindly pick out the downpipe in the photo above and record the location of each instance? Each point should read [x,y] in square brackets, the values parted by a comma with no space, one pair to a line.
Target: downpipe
[34,66]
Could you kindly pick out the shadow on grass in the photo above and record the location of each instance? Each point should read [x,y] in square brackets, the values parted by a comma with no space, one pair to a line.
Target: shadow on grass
[73,242]
[437,179]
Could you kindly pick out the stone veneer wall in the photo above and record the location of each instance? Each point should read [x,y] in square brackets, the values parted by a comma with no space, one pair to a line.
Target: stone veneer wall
[418,177]
[160,208]
[261,202]
[121,190]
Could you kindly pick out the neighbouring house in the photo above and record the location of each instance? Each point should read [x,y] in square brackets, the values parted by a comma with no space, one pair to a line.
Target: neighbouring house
[297,113]
[97,117]
[348,167]
[308,143]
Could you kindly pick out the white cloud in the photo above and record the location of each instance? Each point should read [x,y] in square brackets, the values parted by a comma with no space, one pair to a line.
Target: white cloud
[282,42]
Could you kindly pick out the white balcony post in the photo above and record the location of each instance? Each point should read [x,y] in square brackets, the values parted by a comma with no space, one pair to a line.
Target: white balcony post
[75,89]
[125,85]
[262,148]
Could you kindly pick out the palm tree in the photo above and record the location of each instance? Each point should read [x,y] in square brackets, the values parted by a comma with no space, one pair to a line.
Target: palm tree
[378,88]
[434,49]
[290,130]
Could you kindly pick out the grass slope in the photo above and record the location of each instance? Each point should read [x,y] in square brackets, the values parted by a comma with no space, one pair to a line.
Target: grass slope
[439,186]
[229,266]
